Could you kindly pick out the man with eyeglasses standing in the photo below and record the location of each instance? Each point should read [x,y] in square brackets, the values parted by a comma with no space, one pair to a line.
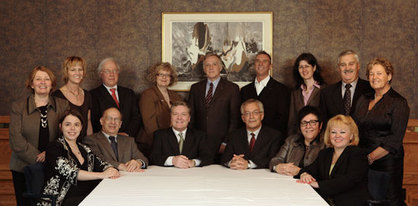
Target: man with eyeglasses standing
[110,94]
[252,146]
[341,97]
[119,150]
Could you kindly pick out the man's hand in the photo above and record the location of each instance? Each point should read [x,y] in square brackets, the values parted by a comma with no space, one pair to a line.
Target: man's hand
[182,162]
[134,166]
[287,169]
[238,162]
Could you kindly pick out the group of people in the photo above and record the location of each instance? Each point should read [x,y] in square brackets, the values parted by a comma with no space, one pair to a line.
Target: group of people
[345,139]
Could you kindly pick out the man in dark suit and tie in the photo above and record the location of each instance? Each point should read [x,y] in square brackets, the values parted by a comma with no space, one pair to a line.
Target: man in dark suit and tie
[214,105]
[180,146]
[109,94]
[120,151]
[274,95]
[341,97]
[254,145]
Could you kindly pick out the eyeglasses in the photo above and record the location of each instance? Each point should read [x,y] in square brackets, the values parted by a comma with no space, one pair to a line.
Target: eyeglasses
[311,122]
[163,75]
[255,113]
[110,72]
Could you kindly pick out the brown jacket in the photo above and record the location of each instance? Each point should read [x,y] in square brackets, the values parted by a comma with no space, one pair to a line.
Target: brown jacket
[155,114]
[24,129]
[293,150]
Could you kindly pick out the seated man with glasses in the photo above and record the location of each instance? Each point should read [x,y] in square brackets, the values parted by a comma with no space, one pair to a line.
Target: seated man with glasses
[110,94]
[119,150]
[301,149]
[252,146]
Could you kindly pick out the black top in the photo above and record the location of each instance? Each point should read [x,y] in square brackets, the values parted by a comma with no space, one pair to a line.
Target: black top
[83,109]
[384,125]
[43,129]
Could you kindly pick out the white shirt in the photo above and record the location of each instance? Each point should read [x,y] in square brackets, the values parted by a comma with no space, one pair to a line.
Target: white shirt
[259,86]
[352,89]
[110,92]
[169,160]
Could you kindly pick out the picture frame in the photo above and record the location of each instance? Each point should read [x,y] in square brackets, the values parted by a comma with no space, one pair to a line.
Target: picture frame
[235,36]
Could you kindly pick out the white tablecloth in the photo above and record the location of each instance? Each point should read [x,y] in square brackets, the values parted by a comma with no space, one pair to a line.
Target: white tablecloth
[211,185]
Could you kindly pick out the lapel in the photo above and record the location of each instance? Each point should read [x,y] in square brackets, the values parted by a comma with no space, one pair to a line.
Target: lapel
[259,142]
[252,92]
[106,144]
[121,94]
[328,161]
[161,99]
[267,89]
[122,146]
[339,162]
[243,141]
[337,96]
[107,97]
[188,143]
[172,139]
[218,91]
[315,93]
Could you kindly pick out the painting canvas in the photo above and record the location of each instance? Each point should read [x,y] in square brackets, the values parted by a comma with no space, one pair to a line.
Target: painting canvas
[235,37]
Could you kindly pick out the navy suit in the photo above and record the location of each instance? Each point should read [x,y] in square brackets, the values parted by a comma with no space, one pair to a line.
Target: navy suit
[128,103]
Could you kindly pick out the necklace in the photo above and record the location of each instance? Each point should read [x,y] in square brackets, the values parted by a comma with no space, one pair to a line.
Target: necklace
[78,91]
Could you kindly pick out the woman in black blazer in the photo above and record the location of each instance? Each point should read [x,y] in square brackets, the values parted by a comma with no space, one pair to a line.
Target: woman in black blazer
[340,172]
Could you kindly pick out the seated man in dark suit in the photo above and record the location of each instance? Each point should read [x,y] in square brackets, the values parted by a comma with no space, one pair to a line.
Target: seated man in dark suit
[110,94]
[120,151]
[274,95]
[253,145]
[180,146]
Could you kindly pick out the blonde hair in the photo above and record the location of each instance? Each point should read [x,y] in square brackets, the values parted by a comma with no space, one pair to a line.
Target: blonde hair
[70,62]
[338,121]
[164,66]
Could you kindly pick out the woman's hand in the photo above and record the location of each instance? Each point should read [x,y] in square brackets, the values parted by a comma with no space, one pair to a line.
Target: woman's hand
[306,178]
[40,157]
[287,169]
[111,173]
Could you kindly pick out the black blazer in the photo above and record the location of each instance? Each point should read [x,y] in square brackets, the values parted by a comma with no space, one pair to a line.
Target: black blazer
[331,101]
[266,146]
[165,144]
[128,103]
[347,184]
[276,100]
[221,117]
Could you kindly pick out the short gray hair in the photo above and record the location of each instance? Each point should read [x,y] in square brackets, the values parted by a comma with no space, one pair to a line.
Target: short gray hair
[250,101]
[348,52]
[99,68]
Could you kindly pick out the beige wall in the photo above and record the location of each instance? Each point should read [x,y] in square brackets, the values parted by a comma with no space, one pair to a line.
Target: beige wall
[41,32]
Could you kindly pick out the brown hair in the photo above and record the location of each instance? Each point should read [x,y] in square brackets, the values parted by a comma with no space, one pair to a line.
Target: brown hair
[31,76]
[164,66]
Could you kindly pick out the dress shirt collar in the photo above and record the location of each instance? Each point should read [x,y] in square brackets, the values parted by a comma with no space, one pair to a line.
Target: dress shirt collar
[259,85]
[352,89]
[215,84]
[108,135]
[177,133]
[256,132]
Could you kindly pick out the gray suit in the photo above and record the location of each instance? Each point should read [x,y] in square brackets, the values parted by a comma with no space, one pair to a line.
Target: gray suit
[127,149]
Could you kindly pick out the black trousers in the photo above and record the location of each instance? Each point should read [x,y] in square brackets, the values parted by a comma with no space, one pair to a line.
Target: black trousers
[20,187]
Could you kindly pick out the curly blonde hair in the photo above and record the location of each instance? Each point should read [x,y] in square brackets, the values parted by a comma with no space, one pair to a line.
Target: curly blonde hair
[164,66]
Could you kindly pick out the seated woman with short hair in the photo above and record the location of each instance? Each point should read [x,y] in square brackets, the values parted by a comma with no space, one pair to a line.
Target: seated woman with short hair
[72,170]
[301,149]
[340,172]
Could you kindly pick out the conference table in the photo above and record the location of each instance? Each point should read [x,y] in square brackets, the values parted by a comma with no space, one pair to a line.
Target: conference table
[210,185]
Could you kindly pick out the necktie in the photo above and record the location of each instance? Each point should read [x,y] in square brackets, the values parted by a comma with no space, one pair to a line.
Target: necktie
[209,96]
[347,99]
[113,90]
[114,145]
[181,142]
[252,142]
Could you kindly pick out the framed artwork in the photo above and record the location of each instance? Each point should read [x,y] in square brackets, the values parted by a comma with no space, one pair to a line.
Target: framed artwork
[235,36]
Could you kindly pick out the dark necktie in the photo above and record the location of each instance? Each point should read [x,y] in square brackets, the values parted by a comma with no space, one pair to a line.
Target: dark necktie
[347,99]
[252,141]
[181,141]
[209,96]
[114,145]
[113,90]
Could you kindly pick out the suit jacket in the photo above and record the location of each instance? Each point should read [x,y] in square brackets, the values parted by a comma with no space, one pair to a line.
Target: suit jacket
[331,101]
[275,98]
[165,144]
[347,183]
[128,103]
[25,119]
[266,146]
[127,149]
[221,117]
[297,103]
[155,115]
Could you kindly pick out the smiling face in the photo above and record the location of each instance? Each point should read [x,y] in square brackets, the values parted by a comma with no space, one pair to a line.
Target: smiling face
[310,127]
[180,117]
[111,121]
[71,127]
[41,83]
[109,74]
[75,74]
[212,67]
[349,68]
[306,70]
[163,78]
[378,78]
[252,116]
[262,66]
[340,136]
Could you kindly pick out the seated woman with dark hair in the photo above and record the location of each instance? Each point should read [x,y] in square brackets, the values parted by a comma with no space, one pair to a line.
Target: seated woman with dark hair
[301,149]
[340,172]
[72,170]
